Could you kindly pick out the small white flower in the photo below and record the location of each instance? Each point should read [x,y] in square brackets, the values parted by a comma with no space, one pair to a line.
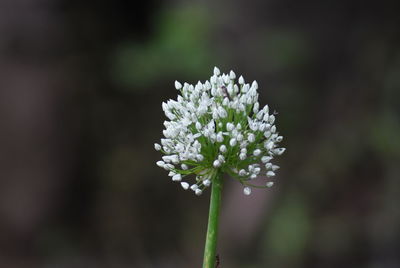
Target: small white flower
[198,192]
[257,152]
[222,148]
[157,146]
[178,85]
[217,163]
[241,80]
[275,167]
[207,182]
[216,71]
[266,159]
[279,151]
[247,190]
[220,138]
[232,75]
[184,167]
[270,173]
[194,187]
[160,164]
[229,126]
[269,145]
[256,106]
[177,177]
[185,185]
[233,142]
[254,84]
[198,125]
[226,79]
[199,157]
[271,119]
[270,184]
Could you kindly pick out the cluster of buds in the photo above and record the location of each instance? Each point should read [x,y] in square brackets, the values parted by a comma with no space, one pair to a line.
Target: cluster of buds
[218,127]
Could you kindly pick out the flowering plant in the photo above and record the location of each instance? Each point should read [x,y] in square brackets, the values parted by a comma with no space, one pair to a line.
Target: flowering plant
[214,128]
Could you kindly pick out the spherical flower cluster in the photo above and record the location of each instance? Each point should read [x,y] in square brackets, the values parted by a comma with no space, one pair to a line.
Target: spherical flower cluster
[218,127]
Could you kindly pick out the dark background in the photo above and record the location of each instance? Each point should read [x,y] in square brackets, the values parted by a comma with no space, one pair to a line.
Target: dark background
[81,86]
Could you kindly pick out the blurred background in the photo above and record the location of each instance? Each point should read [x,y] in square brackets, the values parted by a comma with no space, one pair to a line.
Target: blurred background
[81,86]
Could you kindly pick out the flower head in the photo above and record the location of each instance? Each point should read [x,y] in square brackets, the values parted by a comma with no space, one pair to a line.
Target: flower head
[218,127]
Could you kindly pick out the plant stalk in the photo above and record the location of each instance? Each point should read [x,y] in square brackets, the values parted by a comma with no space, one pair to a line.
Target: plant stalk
[213,219]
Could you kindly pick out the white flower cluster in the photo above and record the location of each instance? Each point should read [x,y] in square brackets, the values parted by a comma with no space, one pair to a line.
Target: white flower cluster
[218,127]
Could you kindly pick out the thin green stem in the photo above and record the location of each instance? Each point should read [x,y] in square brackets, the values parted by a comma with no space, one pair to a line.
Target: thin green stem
[213,219]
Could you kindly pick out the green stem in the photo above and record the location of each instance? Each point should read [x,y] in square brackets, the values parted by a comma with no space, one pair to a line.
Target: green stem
[213,218]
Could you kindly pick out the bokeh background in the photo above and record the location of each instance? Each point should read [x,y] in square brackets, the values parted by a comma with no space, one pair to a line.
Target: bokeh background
[81,86]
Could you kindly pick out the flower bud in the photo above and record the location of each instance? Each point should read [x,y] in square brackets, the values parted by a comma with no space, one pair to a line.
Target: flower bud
[157,146]
[178,85]
[270,184]
[185,185]
[232,75]
[247,190]
[216,71]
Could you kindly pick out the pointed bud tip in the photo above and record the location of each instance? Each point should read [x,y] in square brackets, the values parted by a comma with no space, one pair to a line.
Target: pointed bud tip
[178,85]
[216,71]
